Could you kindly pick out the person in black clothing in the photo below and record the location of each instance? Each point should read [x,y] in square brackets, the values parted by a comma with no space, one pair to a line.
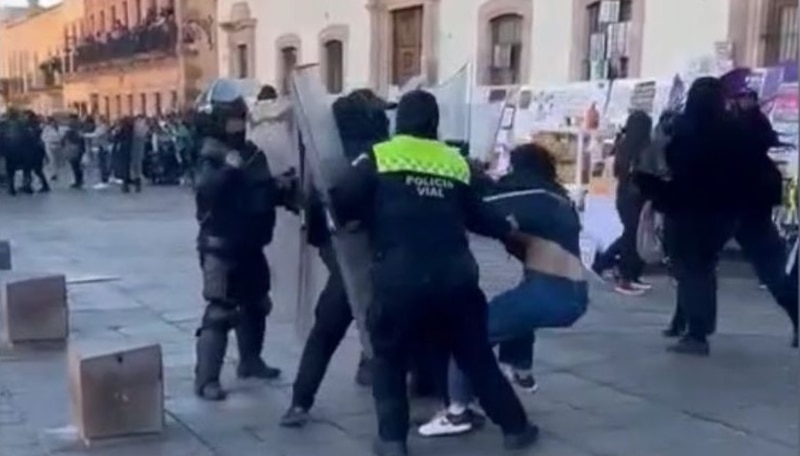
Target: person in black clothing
[412,194]
[362,123]
[632,145]
[35,155]
[236,198]
[704,156]
[74,148]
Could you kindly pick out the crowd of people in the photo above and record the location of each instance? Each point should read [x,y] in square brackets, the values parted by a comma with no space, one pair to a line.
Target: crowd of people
[157,32]
[416,197]
[132,149]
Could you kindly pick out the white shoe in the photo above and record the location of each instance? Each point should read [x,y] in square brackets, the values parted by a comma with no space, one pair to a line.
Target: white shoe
[100,186]
[446,423]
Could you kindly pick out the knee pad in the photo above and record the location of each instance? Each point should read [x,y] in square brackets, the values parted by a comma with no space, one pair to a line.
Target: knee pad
[219,316]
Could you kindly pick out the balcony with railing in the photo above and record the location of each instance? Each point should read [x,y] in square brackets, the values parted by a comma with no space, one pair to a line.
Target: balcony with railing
[156,37]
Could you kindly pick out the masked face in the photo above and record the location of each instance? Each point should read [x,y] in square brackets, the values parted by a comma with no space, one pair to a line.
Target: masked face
[235,126]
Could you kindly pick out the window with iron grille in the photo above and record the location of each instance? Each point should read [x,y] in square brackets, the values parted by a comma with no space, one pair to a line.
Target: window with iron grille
[242,60]
[608,25]
[289,61]
[506,33]
[781,35]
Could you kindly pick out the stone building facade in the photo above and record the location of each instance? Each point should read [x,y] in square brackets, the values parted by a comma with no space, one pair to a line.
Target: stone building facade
[380,43]
[118,57]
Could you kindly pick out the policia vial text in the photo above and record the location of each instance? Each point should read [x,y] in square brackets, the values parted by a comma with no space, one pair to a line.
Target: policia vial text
[431,187]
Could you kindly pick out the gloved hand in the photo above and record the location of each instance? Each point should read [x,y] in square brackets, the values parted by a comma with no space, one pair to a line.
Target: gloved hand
[233,159]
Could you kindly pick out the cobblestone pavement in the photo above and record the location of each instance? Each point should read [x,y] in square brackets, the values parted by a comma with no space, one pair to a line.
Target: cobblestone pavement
[608,388]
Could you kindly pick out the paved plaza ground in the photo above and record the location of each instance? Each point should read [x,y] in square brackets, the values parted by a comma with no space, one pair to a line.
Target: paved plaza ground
[607,386]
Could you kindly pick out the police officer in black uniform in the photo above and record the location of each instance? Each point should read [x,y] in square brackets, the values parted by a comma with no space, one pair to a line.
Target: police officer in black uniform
[236,198]
[412,193]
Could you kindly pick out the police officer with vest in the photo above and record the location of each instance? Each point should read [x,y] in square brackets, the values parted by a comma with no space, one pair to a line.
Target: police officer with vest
[236,197]
[412,194]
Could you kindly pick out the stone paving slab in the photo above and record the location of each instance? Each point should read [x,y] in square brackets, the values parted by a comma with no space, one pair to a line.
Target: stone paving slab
[608,388]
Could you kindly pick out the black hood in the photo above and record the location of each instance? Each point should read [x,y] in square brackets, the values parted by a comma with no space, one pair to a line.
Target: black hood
[705,100]
[418,115]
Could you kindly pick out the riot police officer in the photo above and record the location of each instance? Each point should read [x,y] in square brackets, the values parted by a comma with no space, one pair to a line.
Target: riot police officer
[414,197]
[236,198]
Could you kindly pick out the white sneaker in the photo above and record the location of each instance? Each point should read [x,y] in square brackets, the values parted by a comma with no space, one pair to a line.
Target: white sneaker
[446,423]
[100,186]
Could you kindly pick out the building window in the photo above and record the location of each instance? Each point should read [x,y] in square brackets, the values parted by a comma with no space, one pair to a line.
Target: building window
[781,37]
[143,104]
[94,104]
[130,105]
[102,22]
[609,22]
[107,107]
[125,14]
[506,49]
[138,11]
[92,26]
[158,106]
[242,61]
[334,66]
[113,15]
[288,62]
[174,101]
[406,44]
[118,107]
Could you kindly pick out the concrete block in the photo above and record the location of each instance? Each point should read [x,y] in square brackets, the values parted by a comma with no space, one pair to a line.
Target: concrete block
[5,255]
[116,392]
[33,307]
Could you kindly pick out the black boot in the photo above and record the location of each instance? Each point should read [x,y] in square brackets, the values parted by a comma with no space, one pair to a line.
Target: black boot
[522,440]
[211,346]
[690,345]
[137,185]
[250,339]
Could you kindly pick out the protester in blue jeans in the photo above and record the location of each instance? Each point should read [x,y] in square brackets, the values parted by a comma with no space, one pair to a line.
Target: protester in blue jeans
[553,292]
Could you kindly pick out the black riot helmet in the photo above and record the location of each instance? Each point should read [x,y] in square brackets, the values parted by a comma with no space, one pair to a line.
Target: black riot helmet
[221,111]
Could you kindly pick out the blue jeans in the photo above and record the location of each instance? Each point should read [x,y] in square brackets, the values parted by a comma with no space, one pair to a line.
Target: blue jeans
[540,301]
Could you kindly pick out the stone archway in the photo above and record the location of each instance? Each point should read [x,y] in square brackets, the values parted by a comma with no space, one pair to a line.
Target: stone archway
[241,31]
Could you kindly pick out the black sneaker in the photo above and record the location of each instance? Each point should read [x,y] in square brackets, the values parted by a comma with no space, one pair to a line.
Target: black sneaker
[691,346]
[295,417]
[522,440]
[258,370]
[526,382]
[672,333]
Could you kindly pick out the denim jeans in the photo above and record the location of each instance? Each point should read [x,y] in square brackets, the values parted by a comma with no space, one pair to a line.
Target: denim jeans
[540,301]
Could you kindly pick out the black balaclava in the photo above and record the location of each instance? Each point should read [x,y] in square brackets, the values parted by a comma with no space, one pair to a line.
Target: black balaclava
[418,115]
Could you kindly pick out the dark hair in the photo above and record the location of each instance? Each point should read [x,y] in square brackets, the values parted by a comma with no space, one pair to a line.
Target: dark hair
[267,92]
[534,158]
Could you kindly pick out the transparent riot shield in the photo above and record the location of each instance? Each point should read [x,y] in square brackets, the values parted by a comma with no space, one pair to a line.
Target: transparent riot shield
[327,165]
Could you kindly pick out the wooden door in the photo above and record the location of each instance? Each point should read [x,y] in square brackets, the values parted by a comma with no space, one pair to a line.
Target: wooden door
[406,44]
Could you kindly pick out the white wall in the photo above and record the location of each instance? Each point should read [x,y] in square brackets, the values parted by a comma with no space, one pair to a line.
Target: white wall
[551,41]
[307,18]
[678,30]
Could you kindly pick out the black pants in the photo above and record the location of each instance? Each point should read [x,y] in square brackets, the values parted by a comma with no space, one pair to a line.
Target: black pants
[454,319]
[622,252]
[12,166]
[332,317]
[767,251]
[77,170]
[698,241]
[764,248]
[104,163]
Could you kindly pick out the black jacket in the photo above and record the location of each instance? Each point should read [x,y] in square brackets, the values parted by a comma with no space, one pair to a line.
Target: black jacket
[417,221]
[235,206]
